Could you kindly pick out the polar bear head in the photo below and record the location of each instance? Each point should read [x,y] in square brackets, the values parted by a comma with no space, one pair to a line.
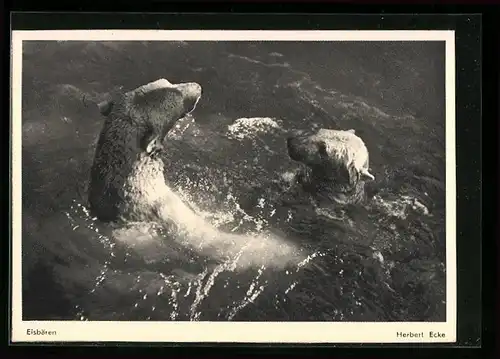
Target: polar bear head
[337,163]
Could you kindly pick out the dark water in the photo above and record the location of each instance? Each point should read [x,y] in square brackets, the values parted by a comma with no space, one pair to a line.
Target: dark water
[384,261]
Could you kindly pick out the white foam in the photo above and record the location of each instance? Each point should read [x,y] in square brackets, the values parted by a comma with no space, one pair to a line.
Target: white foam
[160,83]
[400,206]
[250,127]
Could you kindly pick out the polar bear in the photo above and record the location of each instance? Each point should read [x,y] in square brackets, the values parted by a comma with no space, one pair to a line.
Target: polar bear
[337,163]
[128,186]
[127,180]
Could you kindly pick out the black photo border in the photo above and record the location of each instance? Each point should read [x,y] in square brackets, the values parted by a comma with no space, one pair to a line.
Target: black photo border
[472,321]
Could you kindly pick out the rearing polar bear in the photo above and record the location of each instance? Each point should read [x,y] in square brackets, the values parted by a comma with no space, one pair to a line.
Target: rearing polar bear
[128,184]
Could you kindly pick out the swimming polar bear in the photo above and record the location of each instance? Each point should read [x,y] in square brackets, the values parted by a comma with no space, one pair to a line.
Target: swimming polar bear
[337,163]
[127,176]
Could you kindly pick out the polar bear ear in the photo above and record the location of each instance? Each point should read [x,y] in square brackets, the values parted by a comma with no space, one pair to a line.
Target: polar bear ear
[105,107]
[351,131]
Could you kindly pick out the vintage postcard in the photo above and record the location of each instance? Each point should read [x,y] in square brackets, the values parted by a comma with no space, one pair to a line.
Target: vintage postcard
[233,186]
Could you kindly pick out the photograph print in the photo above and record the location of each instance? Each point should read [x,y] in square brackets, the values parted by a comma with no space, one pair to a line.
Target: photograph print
[201,178]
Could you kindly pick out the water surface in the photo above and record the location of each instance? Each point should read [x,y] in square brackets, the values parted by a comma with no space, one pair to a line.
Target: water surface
[384,261]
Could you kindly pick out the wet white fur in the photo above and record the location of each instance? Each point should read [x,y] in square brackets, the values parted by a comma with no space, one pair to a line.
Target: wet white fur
[345,147]
[148,195]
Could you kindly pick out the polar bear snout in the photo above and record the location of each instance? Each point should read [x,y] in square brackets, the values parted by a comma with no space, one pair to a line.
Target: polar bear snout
[301,149]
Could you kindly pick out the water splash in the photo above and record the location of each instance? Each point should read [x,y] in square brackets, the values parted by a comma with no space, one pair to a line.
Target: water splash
[252,293]
[251,127]
[400,206]
[203,290]
[79,211]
